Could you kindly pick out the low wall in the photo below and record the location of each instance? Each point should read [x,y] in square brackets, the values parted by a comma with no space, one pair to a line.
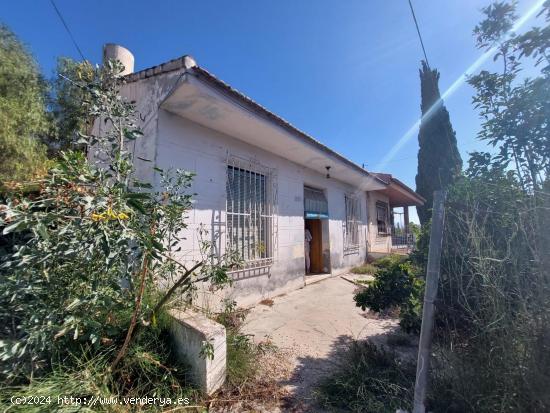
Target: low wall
[190,330]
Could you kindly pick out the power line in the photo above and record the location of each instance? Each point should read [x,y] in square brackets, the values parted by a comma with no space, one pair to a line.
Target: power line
[67,29]
[419,35]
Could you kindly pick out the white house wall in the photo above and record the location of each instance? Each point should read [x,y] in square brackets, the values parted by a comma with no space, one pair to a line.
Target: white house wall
[184,144]
[377,243]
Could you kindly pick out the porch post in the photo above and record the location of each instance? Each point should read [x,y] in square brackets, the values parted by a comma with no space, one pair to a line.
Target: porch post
[406,218]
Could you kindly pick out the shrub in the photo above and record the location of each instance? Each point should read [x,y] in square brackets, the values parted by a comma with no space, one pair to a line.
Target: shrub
[410,312]
[368,379]
[92,245]
[242,353]
[393,284]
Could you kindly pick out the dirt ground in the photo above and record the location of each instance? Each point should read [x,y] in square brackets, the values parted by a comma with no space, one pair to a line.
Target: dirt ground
[310,327]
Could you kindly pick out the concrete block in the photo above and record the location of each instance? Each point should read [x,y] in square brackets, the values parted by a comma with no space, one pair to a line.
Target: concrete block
[190,330]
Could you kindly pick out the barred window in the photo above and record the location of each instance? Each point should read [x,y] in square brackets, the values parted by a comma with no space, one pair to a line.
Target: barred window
[249,216]
[351,235]
[382,217]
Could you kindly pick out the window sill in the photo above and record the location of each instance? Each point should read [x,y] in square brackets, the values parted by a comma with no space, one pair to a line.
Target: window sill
[253,265]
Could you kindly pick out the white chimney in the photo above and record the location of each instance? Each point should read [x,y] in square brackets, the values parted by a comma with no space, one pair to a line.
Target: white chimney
[123,55]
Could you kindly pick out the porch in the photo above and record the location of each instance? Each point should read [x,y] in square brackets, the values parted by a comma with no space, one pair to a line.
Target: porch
[402,239]
[390,209]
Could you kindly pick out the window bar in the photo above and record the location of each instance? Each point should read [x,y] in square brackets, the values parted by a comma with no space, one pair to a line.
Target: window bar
[269,193]
[238,210]
[232,239]
[249,226]
[257,219]
[267,211]
[262,255]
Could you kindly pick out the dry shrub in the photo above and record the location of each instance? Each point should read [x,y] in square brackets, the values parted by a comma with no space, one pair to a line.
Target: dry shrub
[493,325]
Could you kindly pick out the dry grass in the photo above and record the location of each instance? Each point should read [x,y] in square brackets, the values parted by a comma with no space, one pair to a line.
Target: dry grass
[261,392]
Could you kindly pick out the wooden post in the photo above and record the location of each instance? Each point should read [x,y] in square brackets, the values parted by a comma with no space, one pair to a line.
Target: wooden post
[430,294]
[406,218]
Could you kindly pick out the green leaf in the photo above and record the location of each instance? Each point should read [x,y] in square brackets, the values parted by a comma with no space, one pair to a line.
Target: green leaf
[137,205]
[43,231]
[15,227]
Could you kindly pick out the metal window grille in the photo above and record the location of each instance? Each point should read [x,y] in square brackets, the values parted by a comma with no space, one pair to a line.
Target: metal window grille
[352,223]
[250,214]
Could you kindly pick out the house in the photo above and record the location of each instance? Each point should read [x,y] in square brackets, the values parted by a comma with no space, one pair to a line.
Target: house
[260,182]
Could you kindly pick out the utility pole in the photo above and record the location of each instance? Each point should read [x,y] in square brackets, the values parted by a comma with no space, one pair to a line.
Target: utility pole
[430,294]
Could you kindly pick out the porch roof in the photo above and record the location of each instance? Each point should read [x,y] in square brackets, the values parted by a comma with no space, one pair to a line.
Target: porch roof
[399,194]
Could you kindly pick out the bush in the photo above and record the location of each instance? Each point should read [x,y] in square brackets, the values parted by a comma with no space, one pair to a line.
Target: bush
[410,312]
[242,353]
[368,379]
[90,247]
[493,313]
[393,284]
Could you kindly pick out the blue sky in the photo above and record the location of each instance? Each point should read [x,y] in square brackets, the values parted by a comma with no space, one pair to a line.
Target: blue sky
[346,72]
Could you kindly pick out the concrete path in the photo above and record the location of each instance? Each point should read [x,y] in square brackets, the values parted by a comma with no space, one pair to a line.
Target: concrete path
[313,325]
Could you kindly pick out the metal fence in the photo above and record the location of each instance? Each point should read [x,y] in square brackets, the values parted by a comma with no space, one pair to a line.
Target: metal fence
[401,240]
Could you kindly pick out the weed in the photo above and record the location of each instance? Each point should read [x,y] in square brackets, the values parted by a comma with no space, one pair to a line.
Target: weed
[149,370]
[249,381]
[368,379]
[364,269]
[398,339]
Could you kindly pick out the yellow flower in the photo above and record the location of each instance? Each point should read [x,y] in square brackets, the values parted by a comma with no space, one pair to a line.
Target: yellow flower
[98,217]
[109,215]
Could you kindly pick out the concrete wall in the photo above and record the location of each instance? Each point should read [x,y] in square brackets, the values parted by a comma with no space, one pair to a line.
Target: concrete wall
[188,145]
[190,331]
[377,243]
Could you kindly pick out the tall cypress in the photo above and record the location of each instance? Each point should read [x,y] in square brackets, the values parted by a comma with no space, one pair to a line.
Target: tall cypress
[439,161]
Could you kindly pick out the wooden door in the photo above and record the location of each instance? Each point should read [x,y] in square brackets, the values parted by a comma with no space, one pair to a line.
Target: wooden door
[316,245]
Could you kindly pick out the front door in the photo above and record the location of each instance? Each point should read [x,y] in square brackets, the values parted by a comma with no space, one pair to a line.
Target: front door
[316,245]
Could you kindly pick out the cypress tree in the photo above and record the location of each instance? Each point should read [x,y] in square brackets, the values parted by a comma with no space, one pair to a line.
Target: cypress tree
[439,161]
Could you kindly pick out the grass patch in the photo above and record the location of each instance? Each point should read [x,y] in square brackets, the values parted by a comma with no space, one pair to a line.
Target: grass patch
[368,379]
[389,260]
[364,269]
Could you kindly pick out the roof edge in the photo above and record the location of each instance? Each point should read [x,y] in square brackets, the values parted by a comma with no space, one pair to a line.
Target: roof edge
[189,64]
[184,62]
[389,179]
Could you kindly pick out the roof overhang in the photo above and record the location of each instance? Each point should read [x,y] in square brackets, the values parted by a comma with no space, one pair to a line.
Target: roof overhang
[211,103]
[400,195]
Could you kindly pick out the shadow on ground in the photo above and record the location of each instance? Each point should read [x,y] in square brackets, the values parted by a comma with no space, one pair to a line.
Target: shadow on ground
[311,370]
